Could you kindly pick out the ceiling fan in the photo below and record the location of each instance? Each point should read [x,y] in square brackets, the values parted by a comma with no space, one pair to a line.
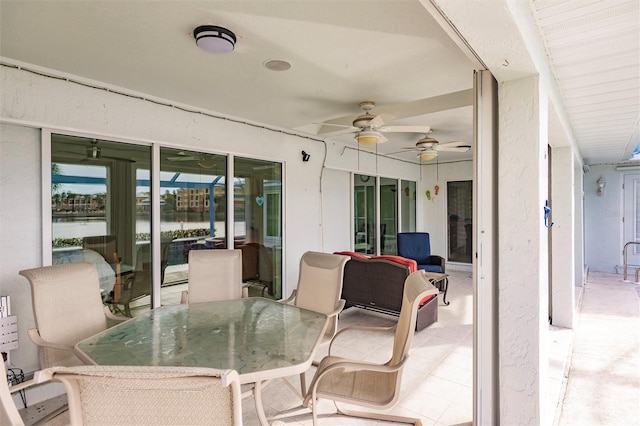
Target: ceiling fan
[428,147]
[203,161]
[369,128]
[94,153]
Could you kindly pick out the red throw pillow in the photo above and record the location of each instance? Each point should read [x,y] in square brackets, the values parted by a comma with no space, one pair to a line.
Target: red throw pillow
[426,299]
[410,263]
[352,254]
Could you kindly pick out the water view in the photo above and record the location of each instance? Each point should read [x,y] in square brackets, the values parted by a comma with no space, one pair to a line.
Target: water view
[80,227]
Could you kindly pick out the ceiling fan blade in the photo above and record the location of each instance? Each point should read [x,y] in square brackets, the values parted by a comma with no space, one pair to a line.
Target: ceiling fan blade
[382,138]
[70,154]
[452,149]
[405,129]
[182,158]
[379,120]
[336,125]
[457,146]
[128,160]
[459,99]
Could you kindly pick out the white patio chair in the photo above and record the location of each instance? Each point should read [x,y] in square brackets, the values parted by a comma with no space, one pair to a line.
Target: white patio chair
[67,307]
[214,275]
[367,384]
[319,289]
[127,395]
[9,413]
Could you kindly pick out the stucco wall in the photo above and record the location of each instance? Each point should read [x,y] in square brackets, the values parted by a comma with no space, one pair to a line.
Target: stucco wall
[604,239]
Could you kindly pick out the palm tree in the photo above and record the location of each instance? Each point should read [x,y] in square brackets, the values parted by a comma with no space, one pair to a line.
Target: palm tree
[55,171]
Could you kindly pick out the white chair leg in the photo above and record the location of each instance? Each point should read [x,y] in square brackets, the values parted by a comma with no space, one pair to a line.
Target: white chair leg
[379,416]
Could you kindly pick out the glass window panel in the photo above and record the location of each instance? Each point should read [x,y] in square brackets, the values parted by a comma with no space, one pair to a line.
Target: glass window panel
[388,215]
[364,195]
[100,209]
[459,217]
[193,205]
[258,224]
[408,206]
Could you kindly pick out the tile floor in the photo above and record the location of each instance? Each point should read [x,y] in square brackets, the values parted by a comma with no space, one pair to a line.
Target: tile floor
[437,380]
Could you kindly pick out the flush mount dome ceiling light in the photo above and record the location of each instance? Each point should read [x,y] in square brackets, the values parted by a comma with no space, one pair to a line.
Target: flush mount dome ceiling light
[214,39]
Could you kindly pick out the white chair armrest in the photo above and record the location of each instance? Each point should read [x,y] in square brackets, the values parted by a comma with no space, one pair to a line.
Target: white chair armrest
[34,335]
[290,298]
[360,328]
[338,309]
[349,365]
[353,365]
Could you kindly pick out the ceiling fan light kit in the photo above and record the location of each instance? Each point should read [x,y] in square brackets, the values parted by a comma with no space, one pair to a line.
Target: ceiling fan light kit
[214,39]
[428,155]
[206,164]
[368,137]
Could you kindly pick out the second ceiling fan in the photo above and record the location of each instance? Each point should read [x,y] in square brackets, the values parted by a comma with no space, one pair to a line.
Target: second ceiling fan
[428,147]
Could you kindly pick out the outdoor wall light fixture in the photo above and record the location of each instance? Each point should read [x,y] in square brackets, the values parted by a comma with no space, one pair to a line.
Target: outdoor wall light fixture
[213,39]
[305,156]
[601,184]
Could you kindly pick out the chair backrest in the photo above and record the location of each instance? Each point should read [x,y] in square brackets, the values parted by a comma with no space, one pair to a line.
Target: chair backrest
[250,256]
[215,275]
[67,307]
[9,414]
[416,288]
[414,245]
[126,395]
[106,245]
[320,284]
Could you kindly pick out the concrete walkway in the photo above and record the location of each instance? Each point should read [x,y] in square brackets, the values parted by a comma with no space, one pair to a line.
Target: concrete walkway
[603,386]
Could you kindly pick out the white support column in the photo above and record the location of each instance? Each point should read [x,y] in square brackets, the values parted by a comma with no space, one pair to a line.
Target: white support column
[563,241]
[523,264]
[578,188]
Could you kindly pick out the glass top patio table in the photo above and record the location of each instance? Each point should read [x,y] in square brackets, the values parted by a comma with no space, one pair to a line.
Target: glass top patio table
[259,338]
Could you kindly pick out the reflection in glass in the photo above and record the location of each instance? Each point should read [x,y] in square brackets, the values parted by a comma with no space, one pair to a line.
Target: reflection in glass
[364,195]
[258,224]
[388,215]
[459,216]
[99,212]
[193,205]
[408,206]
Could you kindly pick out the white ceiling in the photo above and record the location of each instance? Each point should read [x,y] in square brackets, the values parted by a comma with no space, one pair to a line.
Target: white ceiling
[594,49]
[342,52]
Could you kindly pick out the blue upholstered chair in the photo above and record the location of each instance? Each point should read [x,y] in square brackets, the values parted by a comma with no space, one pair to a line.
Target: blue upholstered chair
[417,246]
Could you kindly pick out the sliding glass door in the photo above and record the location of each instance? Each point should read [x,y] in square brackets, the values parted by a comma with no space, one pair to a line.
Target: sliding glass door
[100,210]
[101,198]
[396,209]
[193,205]
[364,197]
[459,217]
[388,215]
[258,224]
